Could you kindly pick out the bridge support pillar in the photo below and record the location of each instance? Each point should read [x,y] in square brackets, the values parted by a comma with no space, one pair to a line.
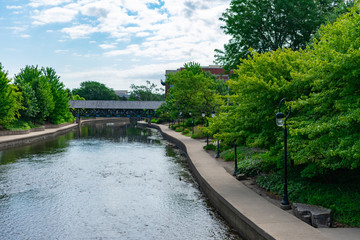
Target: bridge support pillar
[78,121]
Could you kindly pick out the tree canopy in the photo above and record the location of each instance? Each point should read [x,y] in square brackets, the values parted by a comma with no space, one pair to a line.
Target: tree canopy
[320,83]
[266,25]
[193,91]
[148,92]
[10,99]
[92,90]
[44,96]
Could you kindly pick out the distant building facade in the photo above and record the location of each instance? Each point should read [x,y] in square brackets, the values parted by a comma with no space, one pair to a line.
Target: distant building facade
[216,70]
[122,94]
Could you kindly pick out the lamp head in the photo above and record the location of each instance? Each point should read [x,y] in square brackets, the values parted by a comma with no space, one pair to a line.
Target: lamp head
[213,114]
[280,119]
[203,114]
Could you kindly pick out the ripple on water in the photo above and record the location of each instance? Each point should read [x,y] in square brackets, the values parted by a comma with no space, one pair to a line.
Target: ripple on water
[104,186]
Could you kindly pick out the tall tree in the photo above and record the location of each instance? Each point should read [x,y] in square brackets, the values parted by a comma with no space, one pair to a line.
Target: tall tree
[38,99]
[148,92]
[60,96]
[10,103]
[92,90]
[266,25]
[194,90]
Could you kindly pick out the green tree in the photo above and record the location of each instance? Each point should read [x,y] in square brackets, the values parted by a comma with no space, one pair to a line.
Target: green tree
[327,129]
[260,82]
[71,96]
[194,90]
[266,25]
[148,92]
[38,99]
[10,99]
[92,90]
[60,112]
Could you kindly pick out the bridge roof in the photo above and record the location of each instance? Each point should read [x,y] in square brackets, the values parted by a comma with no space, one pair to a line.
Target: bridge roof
[95,104]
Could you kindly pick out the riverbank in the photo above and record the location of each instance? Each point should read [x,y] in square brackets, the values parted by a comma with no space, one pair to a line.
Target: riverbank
[249,213]
[11,139]
[252,215]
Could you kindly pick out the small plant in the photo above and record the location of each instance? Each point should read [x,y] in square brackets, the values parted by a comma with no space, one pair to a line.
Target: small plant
[210,147]
[197,133]
[179,129]
[18,125]
[186,131]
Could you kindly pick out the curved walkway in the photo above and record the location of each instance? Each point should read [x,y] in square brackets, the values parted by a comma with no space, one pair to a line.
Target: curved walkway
[252,215]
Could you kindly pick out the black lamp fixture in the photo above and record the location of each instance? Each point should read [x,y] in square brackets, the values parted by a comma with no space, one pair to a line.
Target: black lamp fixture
[192,123]
[281,121]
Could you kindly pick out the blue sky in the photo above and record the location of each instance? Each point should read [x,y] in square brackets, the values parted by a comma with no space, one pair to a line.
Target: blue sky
[116,42]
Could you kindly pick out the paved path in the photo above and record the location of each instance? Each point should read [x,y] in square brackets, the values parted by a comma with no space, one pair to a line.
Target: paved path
[274,222]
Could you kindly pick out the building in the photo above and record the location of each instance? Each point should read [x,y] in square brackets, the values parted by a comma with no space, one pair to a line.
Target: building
[122,94]
[216,70]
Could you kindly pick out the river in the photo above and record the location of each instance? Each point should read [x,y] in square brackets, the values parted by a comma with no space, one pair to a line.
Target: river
[109,182]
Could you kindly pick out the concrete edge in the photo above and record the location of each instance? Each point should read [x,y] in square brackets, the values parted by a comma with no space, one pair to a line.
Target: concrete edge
[35,136]
[246,228]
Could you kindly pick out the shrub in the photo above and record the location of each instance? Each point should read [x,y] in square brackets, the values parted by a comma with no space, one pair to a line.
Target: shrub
[210,147]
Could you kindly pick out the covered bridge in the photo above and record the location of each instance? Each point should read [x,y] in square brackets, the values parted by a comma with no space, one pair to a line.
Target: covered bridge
[132,109]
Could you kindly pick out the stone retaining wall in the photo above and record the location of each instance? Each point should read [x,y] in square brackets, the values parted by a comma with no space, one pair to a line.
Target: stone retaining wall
[246,228]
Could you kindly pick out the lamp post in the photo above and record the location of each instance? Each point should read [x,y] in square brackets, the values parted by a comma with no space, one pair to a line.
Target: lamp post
[235,159]
[281,121]
[192,123]
[207,124]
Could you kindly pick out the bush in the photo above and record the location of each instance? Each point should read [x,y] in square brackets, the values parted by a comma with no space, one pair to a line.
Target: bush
[17,125]
[197,134]
[210,147]
[342,196]
[186,131]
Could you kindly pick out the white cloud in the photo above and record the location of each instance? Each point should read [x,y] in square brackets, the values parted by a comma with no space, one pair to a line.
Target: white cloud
[61,51]
[107,46]
[128,32]
[79,31]
[25,35]
[40,3]
[14,7]
[54,15]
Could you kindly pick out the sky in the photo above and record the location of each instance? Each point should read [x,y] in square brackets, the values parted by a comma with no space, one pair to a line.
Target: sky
[115,42]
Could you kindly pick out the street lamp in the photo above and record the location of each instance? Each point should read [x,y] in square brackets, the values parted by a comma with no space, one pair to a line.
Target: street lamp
[281,121]
[207,124]
[235,159]
[192,123]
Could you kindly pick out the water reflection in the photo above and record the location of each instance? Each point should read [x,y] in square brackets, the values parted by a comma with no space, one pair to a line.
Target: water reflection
[109,182]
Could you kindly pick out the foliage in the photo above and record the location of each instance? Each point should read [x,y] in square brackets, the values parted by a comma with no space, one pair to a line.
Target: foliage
[10,99]
[72,96]
[92,90]
[342,197]
[44,96]
[266,25]
[18,125]
[327,127]
[38,99]
[148,92]
[194,91]
[210,147]
[261,81]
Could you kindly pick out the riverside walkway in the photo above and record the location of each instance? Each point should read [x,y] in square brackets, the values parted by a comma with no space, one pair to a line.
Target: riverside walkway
[252,215]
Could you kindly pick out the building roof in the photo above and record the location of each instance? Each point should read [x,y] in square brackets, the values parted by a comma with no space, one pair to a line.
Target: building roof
[95,104]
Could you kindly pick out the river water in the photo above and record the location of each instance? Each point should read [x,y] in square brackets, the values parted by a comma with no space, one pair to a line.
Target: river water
[109,182]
